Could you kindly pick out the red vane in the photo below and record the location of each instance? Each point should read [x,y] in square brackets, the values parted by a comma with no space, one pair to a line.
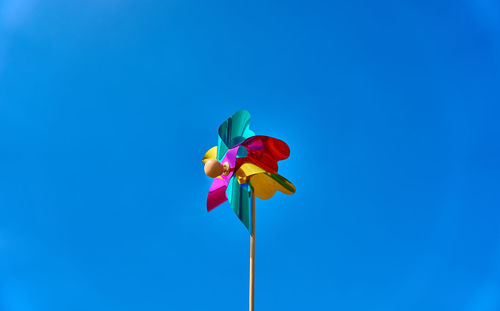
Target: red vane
[265,152]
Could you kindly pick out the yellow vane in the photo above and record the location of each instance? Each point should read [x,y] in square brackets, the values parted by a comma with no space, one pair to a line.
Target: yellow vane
[211,154]
[246,170]
[264,184]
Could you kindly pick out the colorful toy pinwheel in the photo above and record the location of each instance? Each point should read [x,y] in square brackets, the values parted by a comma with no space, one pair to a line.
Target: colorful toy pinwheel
[242,162]
[244,165]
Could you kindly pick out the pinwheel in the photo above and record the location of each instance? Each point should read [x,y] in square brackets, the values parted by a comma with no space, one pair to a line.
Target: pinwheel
[244,165]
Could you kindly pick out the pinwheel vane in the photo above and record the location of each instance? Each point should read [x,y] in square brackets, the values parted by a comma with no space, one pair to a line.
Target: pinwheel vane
[244,165]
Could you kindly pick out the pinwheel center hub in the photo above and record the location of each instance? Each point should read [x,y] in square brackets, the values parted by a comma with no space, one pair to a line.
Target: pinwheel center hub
[214,168]
[226,168]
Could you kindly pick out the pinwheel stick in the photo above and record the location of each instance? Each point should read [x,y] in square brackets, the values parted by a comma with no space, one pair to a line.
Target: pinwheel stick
[252,255]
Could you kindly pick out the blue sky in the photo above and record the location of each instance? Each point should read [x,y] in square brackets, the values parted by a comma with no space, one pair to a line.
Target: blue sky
[390,109]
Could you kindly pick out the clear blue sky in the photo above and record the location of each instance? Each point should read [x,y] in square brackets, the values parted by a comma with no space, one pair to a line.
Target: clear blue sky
[390,108]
